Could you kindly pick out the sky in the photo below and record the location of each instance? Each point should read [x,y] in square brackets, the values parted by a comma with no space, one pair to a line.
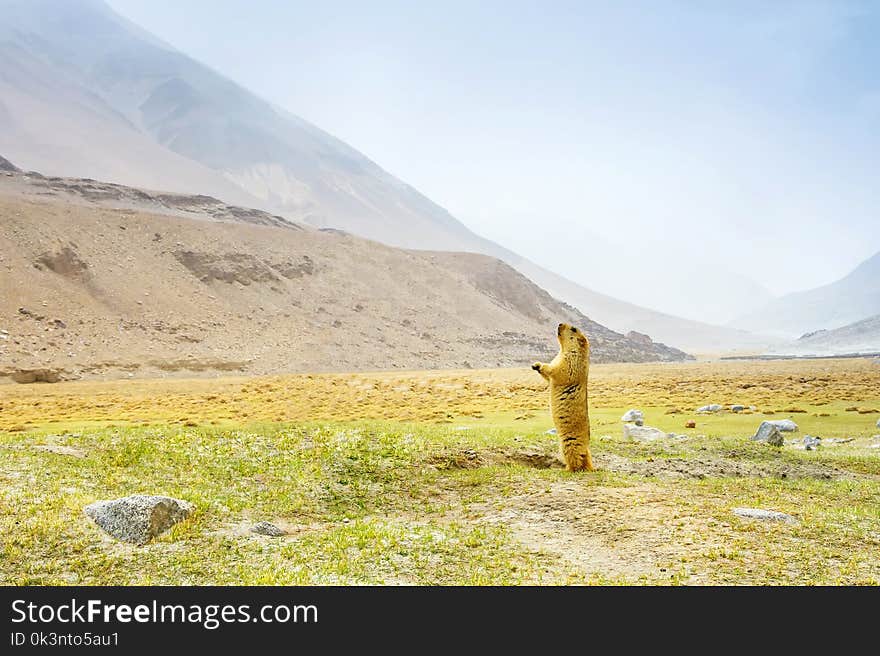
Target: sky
[739,134]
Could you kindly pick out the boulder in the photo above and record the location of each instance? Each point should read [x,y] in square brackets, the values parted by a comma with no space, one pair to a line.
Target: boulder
[811,442]
[714,407]
[138,518]
[690,424]
[785,425]
[642,433]
[633,415]
[737,408]
[768,515]
[768,432]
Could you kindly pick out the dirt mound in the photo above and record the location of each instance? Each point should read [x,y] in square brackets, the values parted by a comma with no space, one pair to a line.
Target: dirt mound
[660,467]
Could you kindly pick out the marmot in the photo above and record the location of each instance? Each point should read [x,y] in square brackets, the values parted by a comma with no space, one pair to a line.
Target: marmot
[567,375]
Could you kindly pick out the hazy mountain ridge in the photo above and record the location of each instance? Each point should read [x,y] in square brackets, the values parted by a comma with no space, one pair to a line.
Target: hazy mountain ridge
[853,298]
[859,337]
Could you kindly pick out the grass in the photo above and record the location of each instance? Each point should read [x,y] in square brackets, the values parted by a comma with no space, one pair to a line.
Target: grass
[420,478]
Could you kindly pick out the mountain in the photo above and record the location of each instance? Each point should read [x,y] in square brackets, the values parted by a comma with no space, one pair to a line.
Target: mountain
[101,279]
[84,92]
[846,301]
[860,337]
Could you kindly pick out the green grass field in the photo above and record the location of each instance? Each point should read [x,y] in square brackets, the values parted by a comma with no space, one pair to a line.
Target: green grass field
[467,494]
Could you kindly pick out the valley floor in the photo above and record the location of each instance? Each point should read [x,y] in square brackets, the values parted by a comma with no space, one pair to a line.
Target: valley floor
[446,477]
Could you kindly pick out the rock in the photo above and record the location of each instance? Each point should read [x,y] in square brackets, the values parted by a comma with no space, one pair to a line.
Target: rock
[878,423]
[642,433]
[265,528]
[138,518]
[714,407]
[690,424]
[770,515]
[785,425]
[633,415]
[551,431]
[737,408]
[811,442]
[768,432]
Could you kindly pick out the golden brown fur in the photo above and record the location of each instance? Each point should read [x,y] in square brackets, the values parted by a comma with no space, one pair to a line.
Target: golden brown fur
[567,375]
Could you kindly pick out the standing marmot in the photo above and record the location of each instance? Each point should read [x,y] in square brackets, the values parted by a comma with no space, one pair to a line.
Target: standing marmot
[567,375]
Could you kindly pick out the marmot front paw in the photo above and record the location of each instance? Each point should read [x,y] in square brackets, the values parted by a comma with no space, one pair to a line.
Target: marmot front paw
[536,366]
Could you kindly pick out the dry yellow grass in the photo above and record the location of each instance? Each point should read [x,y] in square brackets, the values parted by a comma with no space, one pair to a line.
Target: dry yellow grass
[439,396]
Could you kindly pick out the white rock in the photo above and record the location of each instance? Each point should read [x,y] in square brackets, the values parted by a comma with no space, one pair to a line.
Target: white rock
[714,407]
[785,425]
[633,415]
[642,433]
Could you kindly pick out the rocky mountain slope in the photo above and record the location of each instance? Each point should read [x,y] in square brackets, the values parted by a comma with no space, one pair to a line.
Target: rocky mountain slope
[83,92]
[102,280]
[851,299]
[860,337]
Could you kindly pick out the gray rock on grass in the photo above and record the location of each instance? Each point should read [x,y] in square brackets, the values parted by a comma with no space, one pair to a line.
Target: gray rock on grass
[138,518]
[766,515]
[642,433]
[737,408]
[266,528]
[714,407]
[785,425]
[768,432]
[811,442]
[634,416]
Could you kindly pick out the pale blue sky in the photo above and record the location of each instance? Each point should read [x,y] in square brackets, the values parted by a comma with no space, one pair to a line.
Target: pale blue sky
[742,131]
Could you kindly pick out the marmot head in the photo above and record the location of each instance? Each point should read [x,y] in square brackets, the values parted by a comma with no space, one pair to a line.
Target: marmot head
[572,340]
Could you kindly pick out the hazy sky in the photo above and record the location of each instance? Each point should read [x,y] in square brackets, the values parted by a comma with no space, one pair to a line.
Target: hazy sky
[743,132]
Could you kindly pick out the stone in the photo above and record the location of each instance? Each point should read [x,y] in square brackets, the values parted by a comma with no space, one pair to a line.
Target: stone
[785,425]
[737,408]
[642,433]
[768,432]
[811,442]
[633,415]
[690,424]
[767,515]
[138,518]
[714,407]
[265,528]
[551,431]
[878,423]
